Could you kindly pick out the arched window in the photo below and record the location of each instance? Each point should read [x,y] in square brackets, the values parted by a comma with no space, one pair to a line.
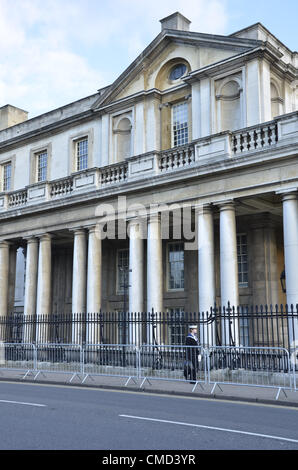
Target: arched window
[172,73]
[122,133]
[229,106]
[276,101]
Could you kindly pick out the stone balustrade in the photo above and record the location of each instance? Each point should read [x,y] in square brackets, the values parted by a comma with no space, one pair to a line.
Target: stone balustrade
[61,187]
[255,138]
[224,146]
[17,198]
[114,174]
[177,159]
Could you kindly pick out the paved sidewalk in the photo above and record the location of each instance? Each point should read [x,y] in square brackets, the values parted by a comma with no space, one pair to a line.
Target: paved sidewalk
[180,388]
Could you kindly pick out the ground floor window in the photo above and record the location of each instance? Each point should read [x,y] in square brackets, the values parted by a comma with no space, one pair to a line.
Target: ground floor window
[177,326]
[242,260]
[123,327]
[244,326]
[175,266]
[122,271]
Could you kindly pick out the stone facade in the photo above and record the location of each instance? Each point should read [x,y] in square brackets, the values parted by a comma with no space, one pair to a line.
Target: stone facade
[199,122]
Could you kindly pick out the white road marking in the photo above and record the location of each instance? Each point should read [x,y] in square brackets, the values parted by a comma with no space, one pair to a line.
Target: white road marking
[212,428]
[22,403]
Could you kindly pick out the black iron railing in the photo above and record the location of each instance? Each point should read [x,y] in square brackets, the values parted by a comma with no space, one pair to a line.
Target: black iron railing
[264,326]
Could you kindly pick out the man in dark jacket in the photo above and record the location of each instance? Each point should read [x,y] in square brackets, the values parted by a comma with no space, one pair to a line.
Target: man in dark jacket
[191,363]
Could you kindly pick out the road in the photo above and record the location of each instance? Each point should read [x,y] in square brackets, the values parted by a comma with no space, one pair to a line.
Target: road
[49,417]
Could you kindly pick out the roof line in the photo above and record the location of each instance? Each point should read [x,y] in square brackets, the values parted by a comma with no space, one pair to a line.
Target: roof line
[170,33]
[266,29]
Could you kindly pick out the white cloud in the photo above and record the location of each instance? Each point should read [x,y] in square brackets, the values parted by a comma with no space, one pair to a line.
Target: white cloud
[39,69]
[56,51]
[140,19]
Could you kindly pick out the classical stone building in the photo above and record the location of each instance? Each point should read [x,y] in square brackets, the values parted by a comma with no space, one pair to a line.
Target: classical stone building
[198,135]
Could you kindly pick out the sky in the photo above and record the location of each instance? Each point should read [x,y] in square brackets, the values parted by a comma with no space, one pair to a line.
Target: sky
[54,52]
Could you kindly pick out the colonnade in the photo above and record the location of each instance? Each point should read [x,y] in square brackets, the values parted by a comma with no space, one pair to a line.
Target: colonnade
[87,263]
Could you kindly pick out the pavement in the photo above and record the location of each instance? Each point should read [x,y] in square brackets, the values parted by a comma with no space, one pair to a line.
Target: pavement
[240,393]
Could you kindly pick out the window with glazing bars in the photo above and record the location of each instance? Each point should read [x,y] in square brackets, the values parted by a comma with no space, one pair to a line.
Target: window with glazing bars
[122,270]
[178,330]
[7,177]
[123,327]
[176,266]
[244,326]
[180,124]
[82,154]
[42,165]
[242,260]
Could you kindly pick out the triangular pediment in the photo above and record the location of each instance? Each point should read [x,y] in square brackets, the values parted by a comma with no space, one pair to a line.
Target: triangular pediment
[149,70]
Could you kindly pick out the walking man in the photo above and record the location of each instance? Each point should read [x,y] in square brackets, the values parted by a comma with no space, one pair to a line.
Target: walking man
[191,363]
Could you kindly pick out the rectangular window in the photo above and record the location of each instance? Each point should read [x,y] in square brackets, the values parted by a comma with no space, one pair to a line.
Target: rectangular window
[177,327]
[242,260]
[42,166]
[6,183]
[244,327]
[82,154]
[123,327]
[175,266]
[180,124]
[122,271]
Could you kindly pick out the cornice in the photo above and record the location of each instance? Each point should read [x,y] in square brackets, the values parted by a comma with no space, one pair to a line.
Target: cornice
[232,62]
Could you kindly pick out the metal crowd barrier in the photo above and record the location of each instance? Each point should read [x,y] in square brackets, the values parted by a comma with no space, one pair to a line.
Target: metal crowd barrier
[294,363]
[178,363]
[20,356]
[250,366]
[115,360]
[217,365]
[59,358]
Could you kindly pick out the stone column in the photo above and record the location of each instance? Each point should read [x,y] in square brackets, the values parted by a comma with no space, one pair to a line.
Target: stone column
[31,276]
[228,267]
[290,228]
[206,273]
[44,291]
[94,277]
[4,273]
[79,278]
[136,279]
[12,277]
[30,284]
[154,269]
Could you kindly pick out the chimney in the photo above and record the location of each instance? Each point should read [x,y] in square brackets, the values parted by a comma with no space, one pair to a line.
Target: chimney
[175,21]
[10,116]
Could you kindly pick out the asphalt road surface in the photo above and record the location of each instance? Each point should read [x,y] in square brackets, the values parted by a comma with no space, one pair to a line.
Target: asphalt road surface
[47,417]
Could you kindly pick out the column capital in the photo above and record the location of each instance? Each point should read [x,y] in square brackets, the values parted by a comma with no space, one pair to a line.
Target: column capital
[31,239]
[44,236]
[288,195]
[203,208]
[91,228]
[94,229]
[136,222]
[78,230]
[154,217]
[136,219]
[224,205]
[5,243]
